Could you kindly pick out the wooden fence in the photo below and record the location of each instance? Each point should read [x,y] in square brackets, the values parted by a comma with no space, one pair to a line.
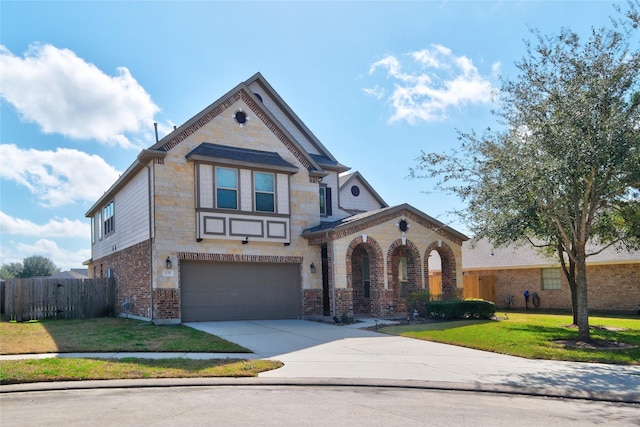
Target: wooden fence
[43,298]
[474,286]
[483,287]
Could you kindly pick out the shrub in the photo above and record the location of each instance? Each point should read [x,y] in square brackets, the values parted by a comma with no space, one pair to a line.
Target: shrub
[461,309]
[418,301]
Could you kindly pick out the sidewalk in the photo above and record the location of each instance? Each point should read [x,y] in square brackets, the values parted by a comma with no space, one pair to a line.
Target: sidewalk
[317,353]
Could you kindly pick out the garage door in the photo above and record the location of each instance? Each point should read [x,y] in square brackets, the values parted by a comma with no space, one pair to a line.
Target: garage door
[239,291]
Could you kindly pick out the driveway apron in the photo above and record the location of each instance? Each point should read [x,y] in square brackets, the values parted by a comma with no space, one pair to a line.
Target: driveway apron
[320,350]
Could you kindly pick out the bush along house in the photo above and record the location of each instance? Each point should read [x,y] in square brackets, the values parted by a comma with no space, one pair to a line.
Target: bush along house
[242,213]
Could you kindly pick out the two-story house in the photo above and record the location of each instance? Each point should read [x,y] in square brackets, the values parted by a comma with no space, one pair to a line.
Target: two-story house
[242,213]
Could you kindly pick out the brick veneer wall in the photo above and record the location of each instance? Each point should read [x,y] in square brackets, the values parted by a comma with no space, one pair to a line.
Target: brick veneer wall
[356,250]
[344,302]
[312,302]
[414,272]
[130,267]
[166,305]
[610,287]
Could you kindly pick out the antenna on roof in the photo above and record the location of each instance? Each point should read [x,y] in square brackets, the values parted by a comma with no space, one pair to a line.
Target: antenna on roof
[155,125]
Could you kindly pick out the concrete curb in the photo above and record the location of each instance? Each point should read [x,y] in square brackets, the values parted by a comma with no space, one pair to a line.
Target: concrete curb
[619,397]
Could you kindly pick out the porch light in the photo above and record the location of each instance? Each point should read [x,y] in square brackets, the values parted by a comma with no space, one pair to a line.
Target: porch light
[313,267]
[168,263]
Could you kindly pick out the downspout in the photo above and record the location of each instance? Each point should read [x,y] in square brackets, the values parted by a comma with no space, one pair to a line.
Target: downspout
[149,175]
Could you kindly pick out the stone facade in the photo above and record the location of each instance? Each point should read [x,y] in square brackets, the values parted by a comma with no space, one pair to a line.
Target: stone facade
[171,186]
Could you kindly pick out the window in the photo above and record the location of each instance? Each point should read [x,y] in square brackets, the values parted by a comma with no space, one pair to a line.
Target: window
[99,225]
[108,219]
[366,278]
[264,187]
[93,229]
[325,201]
[551,279]
[403,278]
[226,188]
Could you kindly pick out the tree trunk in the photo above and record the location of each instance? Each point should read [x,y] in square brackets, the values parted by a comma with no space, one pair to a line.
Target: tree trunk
[581,296]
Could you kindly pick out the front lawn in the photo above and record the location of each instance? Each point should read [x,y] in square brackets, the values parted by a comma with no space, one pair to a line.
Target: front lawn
[54,369]
[537,336]
[116,335]
[107,334]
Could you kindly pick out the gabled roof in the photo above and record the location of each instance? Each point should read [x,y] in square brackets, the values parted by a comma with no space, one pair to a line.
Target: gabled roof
[241,91]
[346,180]
[482,255]
[365,219]
[283,106]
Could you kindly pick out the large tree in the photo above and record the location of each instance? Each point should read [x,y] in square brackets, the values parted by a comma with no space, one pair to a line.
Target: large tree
[563,170]
[32,266]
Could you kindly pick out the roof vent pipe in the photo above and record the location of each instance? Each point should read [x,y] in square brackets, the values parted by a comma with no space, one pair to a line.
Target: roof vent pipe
[155,125]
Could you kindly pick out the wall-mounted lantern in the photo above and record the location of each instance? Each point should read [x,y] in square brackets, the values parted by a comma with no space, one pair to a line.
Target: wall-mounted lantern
[168,263]
[313,267]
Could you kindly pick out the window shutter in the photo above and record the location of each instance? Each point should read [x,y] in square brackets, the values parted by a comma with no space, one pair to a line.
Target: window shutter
[328,202]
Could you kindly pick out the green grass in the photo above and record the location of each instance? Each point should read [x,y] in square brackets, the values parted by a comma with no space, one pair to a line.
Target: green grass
[54,369]
[115,335]
[107,335]
[534,336]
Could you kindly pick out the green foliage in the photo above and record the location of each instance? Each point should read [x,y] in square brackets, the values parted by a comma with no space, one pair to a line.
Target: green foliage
[37,265]
[418,301]
[33,266]
[564,170]
[346,319]
[11,270]
[461,309]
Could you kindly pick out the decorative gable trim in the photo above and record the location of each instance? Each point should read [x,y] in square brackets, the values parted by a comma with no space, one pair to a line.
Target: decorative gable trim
[202,121]
[240,93]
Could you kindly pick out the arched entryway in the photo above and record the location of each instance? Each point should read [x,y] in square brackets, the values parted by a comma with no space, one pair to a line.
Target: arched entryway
[447,268]
[403,273]
[364,276]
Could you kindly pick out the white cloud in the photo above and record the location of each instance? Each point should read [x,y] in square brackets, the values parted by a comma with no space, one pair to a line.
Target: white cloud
[53,228]
[64,94]
[63,258]
[58,177]
[436,83]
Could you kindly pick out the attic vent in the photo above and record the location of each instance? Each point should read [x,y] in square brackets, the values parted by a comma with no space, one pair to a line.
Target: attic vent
[355,190]
[258,96]
[241,117]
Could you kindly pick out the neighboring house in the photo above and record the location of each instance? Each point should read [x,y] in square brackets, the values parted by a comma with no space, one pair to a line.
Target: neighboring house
[613,276]
[74,273]
[241,213]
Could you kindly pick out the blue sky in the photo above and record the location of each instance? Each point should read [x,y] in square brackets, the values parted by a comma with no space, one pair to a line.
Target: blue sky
[81,84]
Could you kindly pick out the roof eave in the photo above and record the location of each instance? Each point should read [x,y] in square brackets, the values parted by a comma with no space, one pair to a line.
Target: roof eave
[143,158]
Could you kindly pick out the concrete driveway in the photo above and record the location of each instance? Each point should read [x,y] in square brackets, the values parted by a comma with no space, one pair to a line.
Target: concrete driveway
[320,350]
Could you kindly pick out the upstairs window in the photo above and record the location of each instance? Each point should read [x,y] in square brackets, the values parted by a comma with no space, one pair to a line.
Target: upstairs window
[325,201]
[108,219]
[264,192]
[226,188]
